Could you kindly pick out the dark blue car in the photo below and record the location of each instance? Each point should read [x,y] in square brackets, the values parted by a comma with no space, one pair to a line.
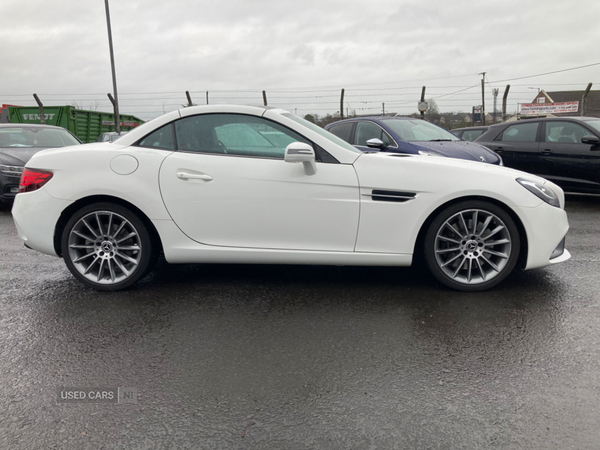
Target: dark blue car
[408,135]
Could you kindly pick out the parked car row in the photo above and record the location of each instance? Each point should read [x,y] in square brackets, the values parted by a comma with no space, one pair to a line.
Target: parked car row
[565,150]
[240,184]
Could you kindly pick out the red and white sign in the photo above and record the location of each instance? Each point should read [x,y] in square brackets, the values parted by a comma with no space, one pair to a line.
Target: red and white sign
[533,109]
[123,124]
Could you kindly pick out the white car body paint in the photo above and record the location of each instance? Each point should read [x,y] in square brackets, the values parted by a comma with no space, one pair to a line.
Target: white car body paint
[233,209]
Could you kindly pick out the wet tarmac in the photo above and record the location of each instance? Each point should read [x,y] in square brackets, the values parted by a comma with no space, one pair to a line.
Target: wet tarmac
[294,357]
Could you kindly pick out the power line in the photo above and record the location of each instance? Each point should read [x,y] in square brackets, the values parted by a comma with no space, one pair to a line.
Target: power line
[547,73]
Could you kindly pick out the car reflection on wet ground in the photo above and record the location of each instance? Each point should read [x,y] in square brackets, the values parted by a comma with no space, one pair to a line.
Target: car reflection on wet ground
[299,356]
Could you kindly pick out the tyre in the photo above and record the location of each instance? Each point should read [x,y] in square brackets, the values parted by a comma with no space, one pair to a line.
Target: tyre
[472,246]
[107,247]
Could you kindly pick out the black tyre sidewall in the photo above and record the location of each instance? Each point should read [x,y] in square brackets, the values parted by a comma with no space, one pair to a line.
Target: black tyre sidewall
[148,249]
[430,258]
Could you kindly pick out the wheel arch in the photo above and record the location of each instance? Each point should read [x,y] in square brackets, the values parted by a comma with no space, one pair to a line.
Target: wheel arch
[419,243]
[71,209]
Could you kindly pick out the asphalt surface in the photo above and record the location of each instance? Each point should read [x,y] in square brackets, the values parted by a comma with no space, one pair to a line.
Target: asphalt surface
[294,357]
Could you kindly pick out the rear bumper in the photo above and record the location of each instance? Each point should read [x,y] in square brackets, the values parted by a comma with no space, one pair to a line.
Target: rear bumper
[35,215]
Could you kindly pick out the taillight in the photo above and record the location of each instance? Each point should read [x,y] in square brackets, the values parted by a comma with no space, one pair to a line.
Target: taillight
[33,179]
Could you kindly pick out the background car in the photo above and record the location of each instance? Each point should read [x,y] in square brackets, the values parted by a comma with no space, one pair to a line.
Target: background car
[408,135]
[565,150]
[18,143]
[110,136]
[241,184]
[469,133]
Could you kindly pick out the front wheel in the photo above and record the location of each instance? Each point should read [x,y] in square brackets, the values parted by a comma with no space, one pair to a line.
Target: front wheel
[107,247]
[472,246]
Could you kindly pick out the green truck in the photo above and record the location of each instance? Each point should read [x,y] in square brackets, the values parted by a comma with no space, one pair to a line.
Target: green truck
[86,125]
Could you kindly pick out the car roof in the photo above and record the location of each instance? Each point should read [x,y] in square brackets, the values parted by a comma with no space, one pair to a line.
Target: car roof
[29,125]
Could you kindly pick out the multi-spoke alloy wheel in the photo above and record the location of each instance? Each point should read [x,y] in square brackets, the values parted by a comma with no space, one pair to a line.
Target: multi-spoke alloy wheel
[472,246]
[107,247]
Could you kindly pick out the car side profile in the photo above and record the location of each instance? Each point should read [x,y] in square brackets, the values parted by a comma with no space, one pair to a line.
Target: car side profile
[252,185]
[408,135]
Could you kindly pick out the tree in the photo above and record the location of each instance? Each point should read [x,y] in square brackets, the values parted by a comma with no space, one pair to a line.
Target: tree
[310,118]
[432,114]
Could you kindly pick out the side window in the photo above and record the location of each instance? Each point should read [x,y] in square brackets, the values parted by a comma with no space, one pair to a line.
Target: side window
[565,132]
[343,131]
[471,135]
[369,130]
[234,134]
[161,138]
[522,132]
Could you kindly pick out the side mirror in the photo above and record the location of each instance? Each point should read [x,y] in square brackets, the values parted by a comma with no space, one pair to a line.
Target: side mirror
[590,139]
[300,152]
[376,143]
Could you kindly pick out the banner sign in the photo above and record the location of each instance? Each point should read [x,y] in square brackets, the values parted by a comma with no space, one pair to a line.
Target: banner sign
[123,124]
[549,108]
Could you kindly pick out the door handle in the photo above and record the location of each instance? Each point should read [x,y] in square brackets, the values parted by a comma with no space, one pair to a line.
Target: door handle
[498,149]
[546,152]
[194,176]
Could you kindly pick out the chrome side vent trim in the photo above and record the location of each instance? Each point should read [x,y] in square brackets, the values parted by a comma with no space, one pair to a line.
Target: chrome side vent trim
[392,196]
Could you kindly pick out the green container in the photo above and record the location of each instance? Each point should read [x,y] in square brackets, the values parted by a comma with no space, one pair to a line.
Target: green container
[86,125]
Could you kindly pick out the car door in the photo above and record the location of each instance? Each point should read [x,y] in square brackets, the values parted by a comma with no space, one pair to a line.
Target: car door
[571,164]
[518,145]
[228,185]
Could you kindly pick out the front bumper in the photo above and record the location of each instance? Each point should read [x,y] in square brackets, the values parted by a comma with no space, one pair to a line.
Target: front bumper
[546,227]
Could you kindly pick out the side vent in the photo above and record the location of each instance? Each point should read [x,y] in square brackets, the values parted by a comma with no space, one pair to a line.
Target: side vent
[392,196]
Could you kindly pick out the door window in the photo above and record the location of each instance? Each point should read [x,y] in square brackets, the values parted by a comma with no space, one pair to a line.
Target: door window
[565,132]
[343,131]
[370,130]
[522,132]
[234,134]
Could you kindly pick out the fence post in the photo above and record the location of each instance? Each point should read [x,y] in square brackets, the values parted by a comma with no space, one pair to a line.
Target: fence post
[422,105]
[342,105]
[504,98]
[587,90]
[189,98]
[42,117]
[265,97]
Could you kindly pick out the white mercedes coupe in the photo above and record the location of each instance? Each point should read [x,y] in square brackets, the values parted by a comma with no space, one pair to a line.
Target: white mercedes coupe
[244,184]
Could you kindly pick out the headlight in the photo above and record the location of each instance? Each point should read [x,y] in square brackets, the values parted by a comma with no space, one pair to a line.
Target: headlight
[14,171]
[541,191]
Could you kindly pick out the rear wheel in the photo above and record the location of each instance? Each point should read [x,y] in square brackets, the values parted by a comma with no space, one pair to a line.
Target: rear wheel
[472,246]
[107,247]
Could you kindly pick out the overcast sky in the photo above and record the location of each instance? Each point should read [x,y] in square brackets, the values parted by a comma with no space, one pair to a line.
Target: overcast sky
[301,52]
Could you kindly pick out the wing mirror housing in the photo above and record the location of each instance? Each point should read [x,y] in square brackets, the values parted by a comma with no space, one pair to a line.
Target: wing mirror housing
[376,143]
[590,139]
[300,152]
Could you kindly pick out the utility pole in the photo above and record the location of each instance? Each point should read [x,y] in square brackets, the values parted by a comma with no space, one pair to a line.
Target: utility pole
[114,76]
[483,98]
